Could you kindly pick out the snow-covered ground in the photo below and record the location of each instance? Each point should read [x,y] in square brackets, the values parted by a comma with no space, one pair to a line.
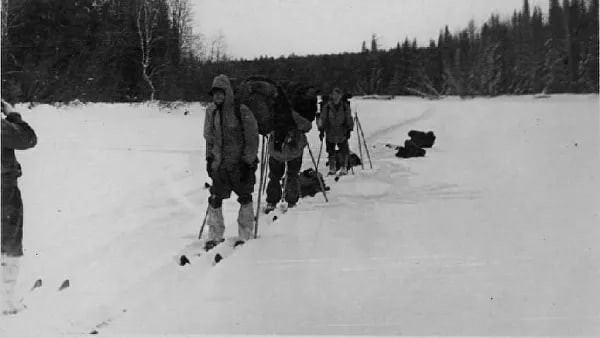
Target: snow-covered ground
[495,232]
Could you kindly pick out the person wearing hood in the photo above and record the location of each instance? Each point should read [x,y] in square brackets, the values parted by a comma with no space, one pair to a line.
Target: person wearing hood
[335,125]
[16,135]
[231,160]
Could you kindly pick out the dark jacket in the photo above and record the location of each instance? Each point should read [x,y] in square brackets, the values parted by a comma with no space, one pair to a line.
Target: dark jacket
[336,121]
[229,140]
[16,135]
[295,148]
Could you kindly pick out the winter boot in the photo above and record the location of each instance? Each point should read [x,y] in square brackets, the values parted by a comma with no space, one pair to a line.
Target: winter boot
[269,207]
[216,224]
[332,166]
[245,222]
[10,273]
[344,164]
[210,244]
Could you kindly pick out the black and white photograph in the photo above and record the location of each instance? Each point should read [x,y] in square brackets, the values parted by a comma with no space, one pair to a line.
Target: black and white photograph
[179,168]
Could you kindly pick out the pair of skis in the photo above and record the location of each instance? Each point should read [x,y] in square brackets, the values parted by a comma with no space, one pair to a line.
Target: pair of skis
[221,251]
[39,283]
[36,285]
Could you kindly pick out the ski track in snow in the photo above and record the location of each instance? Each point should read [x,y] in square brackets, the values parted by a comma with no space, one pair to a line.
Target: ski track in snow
[377,253]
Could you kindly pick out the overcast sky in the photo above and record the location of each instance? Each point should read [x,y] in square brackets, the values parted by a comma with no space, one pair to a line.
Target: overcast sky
[281,27]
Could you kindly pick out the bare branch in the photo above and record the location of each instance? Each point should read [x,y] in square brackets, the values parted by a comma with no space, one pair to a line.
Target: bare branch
[145,31]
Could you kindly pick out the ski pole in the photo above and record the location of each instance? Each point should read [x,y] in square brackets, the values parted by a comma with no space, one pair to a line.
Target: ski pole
[285,177]
[262,164]
[358,141]
[203,222]
[365,142]
[319,157]
[266,174]
[315,164]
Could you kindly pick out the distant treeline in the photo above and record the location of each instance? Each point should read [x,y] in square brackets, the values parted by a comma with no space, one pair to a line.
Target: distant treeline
[98,50]
[119,50]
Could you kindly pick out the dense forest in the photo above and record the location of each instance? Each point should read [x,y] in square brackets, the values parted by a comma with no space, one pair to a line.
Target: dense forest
[135,50]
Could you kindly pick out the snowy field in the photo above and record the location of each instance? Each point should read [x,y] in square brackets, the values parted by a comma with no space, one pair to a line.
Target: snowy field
[495,232]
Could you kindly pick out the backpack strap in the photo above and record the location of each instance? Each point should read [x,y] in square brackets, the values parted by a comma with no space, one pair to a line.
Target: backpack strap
[238,114]
[237,110]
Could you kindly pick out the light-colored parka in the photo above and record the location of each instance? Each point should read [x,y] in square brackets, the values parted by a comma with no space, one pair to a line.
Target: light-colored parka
[229,139]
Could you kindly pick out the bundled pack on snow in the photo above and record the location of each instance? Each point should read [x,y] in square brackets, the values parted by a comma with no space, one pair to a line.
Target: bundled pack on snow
[259,94]
[353,160]
[309,183]
[422,139]
[409,150]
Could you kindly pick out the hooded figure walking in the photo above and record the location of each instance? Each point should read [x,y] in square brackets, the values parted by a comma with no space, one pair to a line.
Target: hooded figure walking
[16,135]
[231,135]
[335,125]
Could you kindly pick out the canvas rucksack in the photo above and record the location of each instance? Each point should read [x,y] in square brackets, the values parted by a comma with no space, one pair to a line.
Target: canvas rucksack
[258,94]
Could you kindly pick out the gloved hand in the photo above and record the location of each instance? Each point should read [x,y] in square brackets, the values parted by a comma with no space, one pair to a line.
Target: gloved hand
[321,135]
[247,170]
[14,117]
[209,162]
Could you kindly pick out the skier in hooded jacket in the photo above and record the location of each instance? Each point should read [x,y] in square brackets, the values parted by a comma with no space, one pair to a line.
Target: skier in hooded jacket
[231,159]
[16,135]
[335,125]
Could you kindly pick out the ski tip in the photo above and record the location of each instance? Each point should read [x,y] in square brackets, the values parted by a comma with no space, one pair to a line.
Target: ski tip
[65,284]
[183,260]
[38,283]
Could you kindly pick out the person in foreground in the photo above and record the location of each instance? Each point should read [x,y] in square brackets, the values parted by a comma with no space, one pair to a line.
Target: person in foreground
[16,135]
[231,134]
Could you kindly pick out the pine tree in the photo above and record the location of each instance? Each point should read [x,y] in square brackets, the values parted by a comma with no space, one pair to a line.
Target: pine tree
[537,48]
[394,87]
[374,46]
[556,61]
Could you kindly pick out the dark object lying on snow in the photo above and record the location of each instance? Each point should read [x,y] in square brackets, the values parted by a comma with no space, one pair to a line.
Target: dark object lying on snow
[353,160]
[309,183]
[422,139]
[409,150]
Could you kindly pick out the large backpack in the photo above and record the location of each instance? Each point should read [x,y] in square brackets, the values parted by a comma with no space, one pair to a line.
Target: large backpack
[306,107]
[309,183]
[266,99]
[258,94]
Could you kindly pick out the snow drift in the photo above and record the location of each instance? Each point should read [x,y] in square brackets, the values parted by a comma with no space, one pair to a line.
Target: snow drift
[493,232]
